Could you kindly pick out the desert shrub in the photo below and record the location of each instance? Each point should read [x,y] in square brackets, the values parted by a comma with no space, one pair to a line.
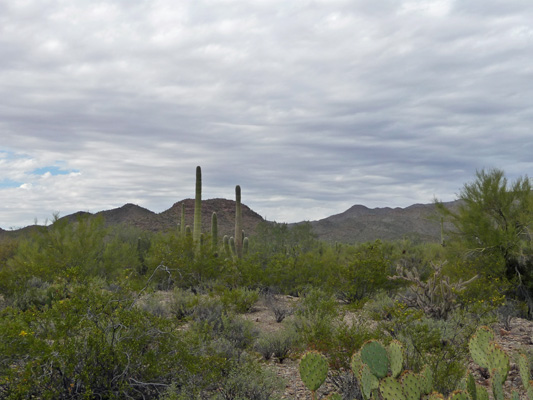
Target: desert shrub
[211,321]
[365,275]
[208,313]
[91,344]
[8,248]
[276,344]
[249,381]
[68,251]
[346,384]
[315,318]
[238,331]
[346,339]
[156,303]
[278,308]
[183,303]
[239,299]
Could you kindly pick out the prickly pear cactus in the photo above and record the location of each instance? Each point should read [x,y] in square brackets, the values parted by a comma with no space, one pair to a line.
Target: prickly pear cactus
[367,380]
[391,389]
[356,363]
[481,393]
[426,379]
[435,396]
[479,344]
[313,370]
[523,366]
[471,386]
[395,352]
[412,385]
[498,360]
[375,356]
[497,385]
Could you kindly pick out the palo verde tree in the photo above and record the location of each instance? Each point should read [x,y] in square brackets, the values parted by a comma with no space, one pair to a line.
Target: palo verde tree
[494,221]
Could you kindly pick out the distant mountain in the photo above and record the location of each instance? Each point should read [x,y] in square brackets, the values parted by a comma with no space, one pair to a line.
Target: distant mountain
[362,224]
[357,224]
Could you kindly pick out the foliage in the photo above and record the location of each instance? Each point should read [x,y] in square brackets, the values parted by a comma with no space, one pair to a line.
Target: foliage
[276,344]
[89,344]
[437,296]
[493,223]
[240,300]
[365,275]
[315,318]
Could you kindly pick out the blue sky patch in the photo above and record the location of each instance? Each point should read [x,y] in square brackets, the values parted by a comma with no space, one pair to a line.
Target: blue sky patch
[8,184]
[54,170]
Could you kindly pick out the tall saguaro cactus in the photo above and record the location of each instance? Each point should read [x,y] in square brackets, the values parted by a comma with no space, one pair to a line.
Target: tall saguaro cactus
[238,222]
[214,232]
[197,227]
[182,223]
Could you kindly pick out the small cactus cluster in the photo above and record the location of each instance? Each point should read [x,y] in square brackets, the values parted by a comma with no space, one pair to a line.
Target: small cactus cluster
[488,354]
[379,370]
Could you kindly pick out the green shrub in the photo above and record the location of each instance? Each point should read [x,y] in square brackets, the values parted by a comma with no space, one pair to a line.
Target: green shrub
[91,344]
[315,318]
[250,381]
[364,276]
[183,303]
[276,344]
[240,300]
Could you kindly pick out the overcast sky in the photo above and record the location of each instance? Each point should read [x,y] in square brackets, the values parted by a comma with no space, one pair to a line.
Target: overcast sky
[310,106]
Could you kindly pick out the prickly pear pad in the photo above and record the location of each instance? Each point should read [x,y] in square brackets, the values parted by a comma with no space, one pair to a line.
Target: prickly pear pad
[523,365]
[313,370]
[412,385]
[375,356]
[391,389]
[499,360]
[368,381]
[478,346]
[395,351]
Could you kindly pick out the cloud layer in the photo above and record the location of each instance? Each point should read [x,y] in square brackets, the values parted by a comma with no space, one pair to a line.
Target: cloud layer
[311,106]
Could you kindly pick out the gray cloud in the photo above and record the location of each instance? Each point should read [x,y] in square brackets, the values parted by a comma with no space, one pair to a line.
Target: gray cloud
[311,106]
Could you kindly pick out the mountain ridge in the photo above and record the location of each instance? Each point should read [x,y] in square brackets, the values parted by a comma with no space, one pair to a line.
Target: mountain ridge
[357,224]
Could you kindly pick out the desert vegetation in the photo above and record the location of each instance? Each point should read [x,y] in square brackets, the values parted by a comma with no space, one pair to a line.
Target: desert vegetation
[89,311]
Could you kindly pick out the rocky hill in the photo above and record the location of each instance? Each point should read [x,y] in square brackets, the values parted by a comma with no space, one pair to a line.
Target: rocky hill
[362,224]
[357,224]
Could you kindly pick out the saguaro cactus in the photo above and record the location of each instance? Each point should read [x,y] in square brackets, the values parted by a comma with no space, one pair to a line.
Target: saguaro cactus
[238,222]
[197,227]
[214,232]
[182,223]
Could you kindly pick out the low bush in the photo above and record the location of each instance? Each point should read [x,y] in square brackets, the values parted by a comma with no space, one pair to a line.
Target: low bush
[183,303]
[240,300]
[89,345]
[276,344]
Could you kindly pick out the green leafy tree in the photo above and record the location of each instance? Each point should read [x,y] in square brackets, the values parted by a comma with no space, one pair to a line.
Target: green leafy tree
[493,222]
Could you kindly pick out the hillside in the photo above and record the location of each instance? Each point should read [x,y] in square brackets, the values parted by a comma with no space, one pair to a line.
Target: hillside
[357,224]
[362,224]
